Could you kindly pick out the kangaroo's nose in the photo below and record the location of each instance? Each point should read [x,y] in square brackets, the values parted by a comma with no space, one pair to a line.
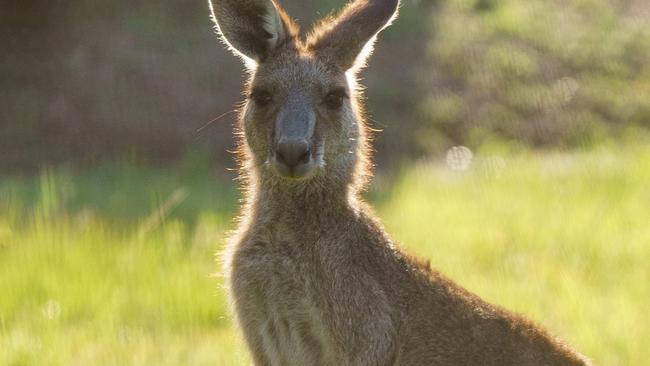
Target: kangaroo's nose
[293,152]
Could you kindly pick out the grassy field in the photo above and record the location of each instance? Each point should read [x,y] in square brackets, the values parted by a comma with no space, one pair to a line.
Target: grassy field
[116,266]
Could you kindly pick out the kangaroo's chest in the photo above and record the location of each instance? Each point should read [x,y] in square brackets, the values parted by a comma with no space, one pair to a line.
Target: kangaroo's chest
[279,303]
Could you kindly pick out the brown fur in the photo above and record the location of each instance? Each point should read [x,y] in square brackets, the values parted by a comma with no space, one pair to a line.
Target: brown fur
[314,279]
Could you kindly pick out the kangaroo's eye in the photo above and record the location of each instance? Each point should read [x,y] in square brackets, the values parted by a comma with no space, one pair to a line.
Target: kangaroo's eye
[261,98]
[334,99]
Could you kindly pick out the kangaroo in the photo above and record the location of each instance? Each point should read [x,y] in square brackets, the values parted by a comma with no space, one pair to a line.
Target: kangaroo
[313,277]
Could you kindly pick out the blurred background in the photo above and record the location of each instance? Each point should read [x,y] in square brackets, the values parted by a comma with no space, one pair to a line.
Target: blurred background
[513,132]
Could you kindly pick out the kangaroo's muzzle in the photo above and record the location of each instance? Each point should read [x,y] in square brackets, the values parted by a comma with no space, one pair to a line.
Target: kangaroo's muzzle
[294,131]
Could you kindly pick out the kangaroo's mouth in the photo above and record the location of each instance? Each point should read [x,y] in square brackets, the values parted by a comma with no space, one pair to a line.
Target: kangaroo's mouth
[297,160]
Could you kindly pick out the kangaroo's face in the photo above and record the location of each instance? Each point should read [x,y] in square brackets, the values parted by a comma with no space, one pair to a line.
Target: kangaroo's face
[300,117]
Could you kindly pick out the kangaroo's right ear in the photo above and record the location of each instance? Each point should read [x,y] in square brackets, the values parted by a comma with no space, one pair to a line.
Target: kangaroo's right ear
[252,28]
[347,38]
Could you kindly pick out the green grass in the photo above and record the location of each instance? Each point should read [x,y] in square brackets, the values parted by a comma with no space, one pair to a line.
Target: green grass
[116,266]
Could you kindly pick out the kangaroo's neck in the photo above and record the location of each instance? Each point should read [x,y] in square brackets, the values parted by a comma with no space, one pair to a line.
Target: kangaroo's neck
[318,202]
[312,202]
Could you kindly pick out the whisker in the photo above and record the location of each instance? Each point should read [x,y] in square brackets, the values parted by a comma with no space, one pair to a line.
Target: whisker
[214,120]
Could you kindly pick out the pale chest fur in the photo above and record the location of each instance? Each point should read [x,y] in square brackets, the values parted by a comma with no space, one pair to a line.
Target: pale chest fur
[277,300]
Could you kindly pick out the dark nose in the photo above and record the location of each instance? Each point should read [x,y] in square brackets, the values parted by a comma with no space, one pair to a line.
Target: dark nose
[293,152]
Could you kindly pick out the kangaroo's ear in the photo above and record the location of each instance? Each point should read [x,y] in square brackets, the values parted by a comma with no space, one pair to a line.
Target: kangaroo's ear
[252,28]
[347,38]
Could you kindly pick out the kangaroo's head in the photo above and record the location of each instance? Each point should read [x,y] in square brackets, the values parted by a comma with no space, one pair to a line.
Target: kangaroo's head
[302,118]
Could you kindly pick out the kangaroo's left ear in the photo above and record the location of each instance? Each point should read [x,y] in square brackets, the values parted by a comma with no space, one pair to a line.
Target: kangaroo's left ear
[252,28]
[347,39]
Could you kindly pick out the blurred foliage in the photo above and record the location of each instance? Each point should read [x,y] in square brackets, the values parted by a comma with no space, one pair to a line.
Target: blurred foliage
[85,82]
[564,73]
[98,81]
